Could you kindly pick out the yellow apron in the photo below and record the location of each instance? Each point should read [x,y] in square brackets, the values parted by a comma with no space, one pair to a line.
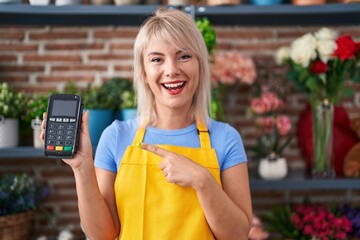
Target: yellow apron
[149,207]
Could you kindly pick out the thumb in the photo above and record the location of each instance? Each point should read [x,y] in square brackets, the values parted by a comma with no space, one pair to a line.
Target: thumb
[85,122]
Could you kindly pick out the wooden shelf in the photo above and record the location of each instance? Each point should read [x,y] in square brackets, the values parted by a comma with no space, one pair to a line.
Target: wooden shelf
[305,184]
[295,181]
[134,15]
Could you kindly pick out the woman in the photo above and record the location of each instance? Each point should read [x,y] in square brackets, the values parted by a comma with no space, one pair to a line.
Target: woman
[172,173]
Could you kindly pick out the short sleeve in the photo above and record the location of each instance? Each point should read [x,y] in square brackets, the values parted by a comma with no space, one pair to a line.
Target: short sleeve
[234,151]
[105,155]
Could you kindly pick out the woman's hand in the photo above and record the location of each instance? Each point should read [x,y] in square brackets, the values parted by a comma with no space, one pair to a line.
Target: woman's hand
[84,151]
[179,169]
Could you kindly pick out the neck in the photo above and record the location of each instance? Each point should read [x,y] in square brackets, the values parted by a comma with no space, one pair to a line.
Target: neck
[173,119]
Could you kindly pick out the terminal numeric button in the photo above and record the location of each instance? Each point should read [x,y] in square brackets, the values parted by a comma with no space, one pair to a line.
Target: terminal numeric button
[69,138]
[60,132]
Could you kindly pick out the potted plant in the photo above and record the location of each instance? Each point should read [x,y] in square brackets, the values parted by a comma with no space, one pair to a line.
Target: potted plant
[123,94]
[128,105]
[11,109]
[273,134]
[305,221]
[20,197]
[100,105]
[36,105]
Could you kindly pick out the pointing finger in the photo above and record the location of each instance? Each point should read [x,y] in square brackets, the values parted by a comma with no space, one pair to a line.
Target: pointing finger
[155,149]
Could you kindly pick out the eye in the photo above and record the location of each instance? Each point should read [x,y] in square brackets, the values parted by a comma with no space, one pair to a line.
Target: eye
[155,59]
[185,56]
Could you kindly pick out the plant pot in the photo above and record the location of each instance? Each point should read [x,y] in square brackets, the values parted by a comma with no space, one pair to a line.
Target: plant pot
[99,119]
[10,1]
[179,2]
[16,226]
[308,2]
[67,2]
[101,2]
[125,114]
[36,126]
[266,2]
[127,2]
[273,169]
[39,2]
[223,2]
[9,132]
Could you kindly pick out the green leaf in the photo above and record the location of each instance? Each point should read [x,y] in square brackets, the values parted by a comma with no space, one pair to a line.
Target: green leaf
[311,83]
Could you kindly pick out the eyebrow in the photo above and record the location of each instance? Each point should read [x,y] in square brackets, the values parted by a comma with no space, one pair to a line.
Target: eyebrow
[159,53]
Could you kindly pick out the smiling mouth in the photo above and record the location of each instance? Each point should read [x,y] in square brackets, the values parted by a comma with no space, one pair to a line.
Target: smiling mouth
[173,86]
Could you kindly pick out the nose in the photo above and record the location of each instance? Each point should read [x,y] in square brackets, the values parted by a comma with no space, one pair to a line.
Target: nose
[172,68]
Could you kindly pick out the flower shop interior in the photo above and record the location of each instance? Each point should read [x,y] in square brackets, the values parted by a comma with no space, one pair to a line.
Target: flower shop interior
[262,86]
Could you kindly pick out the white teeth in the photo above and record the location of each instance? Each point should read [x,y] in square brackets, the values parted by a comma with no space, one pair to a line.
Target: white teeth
[173,85]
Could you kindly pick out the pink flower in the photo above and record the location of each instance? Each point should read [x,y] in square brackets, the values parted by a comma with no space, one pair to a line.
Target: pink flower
[318,222]
[266,123]
[231,67]
[283,124]
[270,123]
[273,100]
[259,106]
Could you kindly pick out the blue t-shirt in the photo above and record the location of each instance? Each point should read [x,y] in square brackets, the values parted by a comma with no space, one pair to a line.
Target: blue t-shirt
[119,135]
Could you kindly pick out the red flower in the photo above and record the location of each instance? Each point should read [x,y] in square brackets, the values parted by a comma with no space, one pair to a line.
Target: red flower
[346,48]
[318,67]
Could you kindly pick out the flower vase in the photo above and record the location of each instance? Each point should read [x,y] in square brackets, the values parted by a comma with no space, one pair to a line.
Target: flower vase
[272,167]
[322,136]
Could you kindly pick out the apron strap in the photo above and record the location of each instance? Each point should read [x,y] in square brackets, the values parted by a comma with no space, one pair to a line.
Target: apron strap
[140,133]
[203,135]
[203,132]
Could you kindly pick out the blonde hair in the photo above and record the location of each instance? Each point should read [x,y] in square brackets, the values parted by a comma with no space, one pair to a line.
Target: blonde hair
[178,29]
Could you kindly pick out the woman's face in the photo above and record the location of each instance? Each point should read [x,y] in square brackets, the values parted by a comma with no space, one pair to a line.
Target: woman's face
[172,75]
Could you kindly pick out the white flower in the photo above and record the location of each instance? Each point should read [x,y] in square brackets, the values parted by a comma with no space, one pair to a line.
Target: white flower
[303,50]
[65,235]
[326,49]
[282,55]
[326,34]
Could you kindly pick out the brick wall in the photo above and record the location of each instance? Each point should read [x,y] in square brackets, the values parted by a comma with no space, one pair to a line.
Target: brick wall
[42,58]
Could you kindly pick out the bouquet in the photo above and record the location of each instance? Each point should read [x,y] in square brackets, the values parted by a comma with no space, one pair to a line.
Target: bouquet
[20,193]
[229,68]
[273,126]
[307,221]
[320,63]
